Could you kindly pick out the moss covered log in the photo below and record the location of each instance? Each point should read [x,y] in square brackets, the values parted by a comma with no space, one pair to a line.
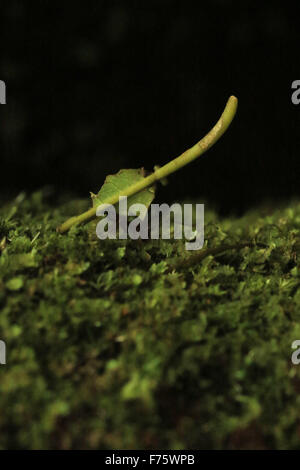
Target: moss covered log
[125,344]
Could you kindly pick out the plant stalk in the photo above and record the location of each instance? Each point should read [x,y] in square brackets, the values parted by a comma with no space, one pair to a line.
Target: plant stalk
[186,157]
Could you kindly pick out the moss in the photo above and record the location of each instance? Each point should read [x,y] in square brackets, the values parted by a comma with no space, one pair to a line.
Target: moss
[124,344]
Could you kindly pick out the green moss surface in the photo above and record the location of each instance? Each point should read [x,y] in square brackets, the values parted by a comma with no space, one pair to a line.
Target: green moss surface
[133,344]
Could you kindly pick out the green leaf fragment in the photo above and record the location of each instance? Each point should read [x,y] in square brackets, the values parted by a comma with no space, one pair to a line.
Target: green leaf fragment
[115,184]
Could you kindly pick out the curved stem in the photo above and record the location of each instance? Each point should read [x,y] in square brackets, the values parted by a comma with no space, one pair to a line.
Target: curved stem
[188,156]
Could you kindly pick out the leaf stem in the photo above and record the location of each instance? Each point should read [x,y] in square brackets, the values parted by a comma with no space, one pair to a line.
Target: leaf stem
[188,156]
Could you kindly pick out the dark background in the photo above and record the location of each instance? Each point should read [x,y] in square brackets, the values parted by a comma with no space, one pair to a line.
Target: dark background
[96,86]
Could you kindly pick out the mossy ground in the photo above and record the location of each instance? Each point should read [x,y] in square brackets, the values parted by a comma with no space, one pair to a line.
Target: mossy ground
[119,344]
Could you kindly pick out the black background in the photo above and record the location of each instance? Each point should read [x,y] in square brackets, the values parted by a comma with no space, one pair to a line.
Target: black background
[96,86]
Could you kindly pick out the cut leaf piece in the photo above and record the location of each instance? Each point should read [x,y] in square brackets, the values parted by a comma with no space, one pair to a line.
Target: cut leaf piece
[116,184]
